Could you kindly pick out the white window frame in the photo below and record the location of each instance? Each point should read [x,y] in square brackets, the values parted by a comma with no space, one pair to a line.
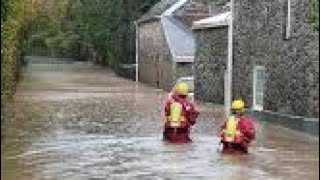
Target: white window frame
[255,106]
[288,26]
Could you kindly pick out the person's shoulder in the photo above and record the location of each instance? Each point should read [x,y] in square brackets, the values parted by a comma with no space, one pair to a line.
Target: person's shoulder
[247,119]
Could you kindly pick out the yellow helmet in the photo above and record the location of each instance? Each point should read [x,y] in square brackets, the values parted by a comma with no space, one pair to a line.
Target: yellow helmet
[182,89]
[238,105]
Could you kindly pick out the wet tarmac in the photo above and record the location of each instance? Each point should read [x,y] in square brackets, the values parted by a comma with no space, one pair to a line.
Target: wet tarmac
[77,121]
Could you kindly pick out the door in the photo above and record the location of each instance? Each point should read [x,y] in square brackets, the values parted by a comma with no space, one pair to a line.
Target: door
[258,87]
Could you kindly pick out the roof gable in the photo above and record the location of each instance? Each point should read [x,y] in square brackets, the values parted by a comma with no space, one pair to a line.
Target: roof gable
[180,39]
[179,36]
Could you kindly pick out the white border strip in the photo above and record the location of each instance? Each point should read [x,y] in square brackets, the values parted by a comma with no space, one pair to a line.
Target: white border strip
[180,59]
[214,21]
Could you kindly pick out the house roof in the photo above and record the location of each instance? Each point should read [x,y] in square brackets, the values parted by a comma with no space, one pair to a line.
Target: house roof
[180,39]
[214,21]
[157,10]
[178,35]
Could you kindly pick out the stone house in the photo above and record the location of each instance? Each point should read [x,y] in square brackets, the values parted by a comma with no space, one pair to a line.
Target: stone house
[166,43]
[275,56]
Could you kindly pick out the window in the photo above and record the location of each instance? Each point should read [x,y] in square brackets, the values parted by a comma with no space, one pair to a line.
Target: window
[288,19]
[258,87]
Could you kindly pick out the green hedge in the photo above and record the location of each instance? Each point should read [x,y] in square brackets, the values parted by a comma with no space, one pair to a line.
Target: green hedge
[14,17]
[315,14]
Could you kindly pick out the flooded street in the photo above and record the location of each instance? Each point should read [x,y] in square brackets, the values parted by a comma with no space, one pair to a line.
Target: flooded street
[76,121]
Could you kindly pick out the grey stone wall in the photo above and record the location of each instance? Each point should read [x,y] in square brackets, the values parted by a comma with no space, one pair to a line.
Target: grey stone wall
[155,66]
[166,75]
[193,10]
[153,52]
[313,77]
[291,65]
[184,70]
[210,64]
[219,6]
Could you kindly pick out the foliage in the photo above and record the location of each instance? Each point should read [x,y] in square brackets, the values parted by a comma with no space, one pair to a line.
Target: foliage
[87,27]
[15,15]
[315,14]
[108,26]
[67,27]
[49,31]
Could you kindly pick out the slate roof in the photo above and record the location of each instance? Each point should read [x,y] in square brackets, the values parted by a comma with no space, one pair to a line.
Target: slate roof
[178,35]
[180,39]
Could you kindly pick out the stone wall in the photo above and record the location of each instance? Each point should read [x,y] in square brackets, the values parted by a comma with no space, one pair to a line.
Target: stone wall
[155,66]
[149,51]
[219,6]
[184,70]
[291,64]
[166,75]
[210,64]
[193,10]
[155,61]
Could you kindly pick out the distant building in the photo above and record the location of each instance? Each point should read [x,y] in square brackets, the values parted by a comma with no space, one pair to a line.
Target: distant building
[275,56]
[166,43]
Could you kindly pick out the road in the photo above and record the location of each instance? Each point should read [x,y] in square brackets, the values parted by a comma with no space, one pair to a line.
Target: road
[74,120]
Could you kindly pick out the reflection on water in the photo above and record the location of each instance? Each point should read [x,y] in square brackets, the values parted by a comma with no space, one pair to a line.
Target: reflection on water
[78,121]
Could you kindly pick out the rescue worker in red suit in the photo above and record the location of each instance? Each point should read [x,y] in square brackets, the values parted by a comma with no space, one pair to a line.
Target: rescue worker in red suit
[238,131]
[180,115]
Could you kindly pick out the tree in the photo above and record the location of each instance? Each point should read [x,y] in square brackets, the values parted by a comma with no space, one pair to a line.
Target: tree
[15,16]
[66,27]
[107,26]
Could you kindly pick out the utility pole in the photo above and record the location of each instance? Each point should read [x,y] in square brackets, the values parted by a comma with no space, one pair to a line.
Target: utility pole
[229,71]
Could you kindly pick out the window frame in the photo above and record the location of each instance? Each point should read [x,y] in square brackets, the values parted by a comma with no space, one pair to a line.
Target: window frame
[255,105]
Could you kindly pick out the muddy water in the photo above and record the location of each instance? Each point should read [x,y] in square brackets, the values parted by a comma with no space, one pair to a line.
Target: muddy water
[78,121]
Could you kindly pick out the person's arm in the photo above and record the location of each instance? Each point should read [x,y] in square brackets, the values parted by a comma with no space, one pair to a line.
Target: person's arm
[251,130]
[223,125]
[248,129]
[192,113]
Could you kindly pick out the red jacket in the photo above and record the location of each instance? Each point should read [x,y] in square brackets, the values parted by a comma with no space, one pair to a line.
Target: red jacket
[189,110]
[246,126]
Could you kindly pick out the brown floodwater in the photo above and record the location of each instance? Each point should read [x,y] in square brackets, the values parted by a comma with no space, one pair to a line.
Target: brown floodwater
[77,121]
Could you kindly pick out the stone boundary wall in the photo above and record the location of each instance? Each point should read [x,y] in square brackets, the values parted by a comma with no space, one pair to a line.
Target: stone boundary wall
[301,124]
